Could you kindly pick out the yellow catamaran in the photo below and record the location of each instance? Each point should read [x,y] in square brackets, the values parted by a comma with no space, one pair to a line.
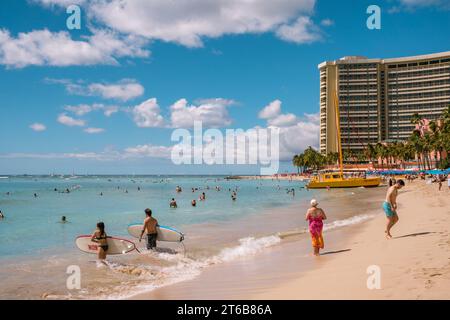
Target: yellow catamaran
[337,179]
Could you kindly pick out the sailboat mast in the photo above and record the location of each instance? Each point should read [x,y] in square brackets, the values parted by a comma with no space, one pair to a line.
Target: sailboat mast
[338,127]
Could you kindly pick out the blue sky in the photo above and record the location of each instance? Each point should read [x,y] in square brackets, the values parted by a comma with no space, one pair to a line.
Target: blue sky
[106,98]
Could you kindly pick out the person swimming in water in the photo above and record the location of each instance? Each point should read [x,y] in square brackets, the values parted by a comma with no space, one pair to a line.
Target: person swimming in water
[194,203]
[2,216]
[99,236]
[63,219]
[173,204]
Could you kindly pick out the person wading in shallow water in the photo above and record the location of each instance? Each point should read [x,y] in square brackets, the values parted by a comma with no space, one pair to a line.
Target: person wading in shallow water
[390,206]
[315,216]
[150,225]
[99,236]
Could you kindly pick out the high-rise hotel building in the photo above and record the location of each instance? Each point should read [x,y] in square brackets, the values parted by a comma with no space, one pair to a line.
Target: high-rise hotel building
[377,98]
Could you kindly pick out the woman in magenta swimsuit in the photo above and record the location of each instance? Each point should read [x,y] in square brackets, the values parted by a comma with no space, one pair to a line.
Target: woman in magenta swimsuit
[315,216]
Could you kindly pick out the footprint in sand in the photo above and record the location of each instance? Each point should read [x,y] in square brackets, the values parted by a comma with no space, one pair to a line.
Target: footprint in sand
[435,274]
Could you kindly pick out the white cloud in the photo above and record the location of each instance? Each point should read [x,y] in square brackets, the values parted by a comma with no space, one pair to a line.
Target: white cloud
[38,127]
[140,151]
[211,112]
[423,3]
[283,120]
[410,5]
[302,30]
[123,28]
[296,138]
[327,22]
[123,90]
[149,151]
[83,109]
[64,3]
[147,114]
[270,111]
[94,130]
[187,22]
[110,110]
[296,134]
[43,47]
[69,121]
[79,110]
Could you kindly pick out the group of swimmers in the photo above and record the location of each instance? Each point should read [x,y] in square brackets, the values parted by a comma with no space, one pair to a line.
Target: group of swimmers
[173,203]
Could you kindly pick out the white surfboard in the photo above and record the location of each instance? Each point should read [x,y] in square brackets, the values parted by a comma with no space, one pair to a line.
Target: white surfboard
[164,233]
[115,245]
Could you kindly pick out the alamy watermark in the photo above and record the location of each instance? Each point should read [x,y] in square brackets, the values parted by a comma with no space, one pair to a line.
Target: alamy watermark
[73,22]
[259,146]
[374,20]
[374,279]
[73,281]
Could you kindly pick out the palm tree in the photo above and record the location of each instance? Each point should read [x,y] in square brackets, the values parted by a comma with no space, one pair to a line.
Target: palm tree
[416,142]
[416,118]
[299,162]
[370,152]
[332,158]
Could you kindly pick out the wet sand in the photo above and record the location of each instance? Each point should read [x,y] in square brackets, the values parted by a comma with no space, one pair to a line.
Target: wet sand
[415,264]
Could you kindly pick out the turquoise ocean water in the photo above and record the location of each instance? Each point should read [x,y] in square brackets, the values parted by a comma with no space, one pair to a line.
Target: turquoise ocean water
[32,223]
[35,249]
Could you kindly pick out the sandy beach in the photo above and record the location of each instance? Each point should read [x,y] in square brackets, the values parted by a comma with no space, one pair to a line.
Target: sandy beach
[415,264]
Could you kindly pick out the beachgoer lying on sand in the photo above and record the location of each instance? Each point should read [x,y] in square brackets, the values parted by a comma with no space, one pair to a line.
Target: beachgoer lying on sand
[315,216]
[390,206]
[150,225]
[99,236]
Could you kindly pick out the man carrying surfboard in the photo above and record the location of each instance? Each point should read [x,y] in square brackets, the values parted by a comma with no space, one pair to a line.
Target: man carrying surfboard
[150,225]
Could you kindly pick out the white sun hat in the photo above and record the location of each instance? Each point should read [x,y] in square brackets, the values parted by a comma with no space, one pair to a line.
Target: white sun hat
[314,203]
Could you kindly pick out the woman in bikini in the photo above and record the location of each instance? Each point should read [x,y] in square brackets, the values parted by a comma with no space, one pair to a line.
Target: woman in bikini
[315,216]
[99,236]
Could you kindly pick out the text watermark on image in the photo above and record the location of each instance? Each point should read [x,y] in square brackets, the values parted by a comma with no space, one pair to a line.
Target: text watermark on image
[74,279]
[258,146]
[374,279]
[374,20]
[73,22]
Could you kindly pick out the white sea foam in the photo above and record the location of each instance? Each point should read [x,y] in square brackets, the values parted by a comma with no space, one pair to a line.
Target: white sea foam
[182,268]
[186,268]
[347,222]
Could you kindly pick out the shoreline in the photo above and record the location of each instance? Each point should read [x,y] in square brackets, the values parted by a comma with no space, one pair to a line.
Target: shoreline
[287,177]
[413,262]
